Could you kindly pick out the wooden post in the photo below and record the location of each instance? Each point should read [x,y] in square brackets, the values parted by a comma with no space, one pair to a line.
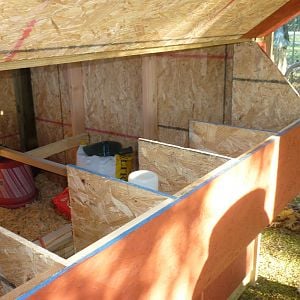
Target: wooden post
[149,97]
[254,272]
[76,94]
[25,109]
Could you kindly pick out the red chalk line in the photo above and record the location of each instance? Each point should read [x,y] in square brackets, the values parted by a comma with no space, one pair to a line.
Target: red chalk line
[89,129]
[26,33]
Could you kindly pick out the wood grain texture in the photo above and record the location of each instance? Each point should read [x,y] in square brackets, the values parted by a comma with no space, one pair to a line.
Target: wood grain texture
[21,260]
[190,86]
[113,95]
[178,250]
[100,205]
[33,30]
[262,98]
[46,91]
[225,140]
[176,167]
[149,97]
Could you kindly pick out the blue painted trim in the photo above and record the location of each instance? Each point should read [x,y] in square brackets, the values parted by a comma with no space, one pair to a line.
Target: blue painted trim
[228,165]
[291,126]
[124,182]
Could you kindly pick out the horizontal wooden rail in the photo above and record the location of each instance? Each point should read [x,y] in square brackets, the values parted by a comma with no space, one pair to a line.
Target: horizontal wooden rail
[59,146]
[37,162]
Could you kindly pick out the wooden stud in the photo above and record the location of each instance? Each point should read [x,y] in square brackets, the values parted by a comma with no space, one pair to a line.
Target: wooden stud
[256,249]
[149,97]
[40,163]
[74,76]
[59,146]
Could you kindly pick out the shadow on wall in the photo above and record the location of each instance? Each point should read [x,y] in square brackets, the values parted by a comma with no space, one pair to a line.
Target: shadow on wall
[243,219]
[197,248]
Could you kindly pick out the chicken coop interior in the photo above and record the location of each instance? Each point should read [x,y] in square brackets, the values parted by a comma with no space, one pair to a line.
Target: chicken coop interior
[204,109]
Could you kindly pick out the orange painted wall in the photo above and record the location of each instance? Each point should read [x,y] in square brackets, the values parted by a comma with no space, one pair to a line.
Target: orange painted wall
[183,250]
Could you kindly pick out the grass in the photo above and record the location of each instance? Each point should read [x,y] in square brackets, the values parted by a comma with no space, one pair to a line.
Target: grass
[279,265]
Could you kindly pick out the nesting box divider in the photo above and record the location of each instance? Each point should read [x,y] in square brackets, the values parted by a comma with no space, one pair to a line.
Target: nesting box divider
[22,260]
[100,204]
[176,166]
[222,139]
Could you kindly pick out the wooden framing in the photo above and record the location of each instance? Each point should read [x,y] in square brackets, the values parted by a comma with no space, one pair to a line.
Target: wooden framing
[204,242]
[36,157]
[59,146]
[184,244]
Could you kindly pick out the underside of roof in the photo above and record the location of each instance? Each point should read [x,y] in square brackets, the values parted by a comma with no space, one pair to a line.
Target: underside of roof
[35,33]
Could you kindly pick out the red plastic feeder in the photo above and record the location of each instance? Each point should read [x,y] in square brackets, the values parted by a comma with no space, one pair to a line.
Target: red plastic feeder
[16,184]
[62,204]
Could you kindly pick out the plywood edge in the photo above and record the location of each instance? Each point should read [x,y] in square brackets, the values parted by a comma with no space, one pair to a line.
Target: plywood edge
[18,240]
[29,285]
[224,139]
[54,60]
[143,143]
[22,260]
[59,146]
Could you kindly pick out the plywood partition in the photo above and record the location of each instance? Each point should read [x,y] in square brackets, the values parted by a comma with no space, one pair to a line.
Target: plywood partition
[21,260]
[176,166]
[100,205]
[182,247]
[262,98]
[225,140]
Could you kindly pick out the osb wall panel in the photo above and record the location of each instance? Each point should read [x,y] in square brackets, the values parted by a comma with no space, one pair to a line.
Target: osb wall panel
[9,130]
[100,205]
[113,97]
[60,28]
[20,260]
[51,104]
[225,140]
[175,166]
[190,85]
[262,98]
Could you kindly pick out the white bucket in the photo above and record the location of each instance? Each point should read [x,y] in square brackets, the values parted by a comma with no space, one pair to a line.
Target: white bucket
[144,178]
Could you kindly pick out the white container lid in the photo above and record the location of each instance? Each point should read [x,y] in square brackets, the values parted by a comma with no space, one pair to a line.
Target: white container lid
[144,178]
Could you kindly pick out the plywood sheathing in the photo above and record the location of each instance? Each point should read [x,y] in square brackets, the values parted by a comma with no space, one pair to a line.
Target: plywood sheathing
[113,99]
[9,130]
[52,107]
[100,205]
[175,166]
[190,85]
[225,140]
[21,260]
[42,33]
[261,98]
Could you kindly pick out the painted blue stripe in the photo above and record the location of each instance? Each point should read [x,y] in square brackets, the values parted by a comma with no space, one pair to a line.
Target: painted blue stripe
[228,165]
[291,126]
